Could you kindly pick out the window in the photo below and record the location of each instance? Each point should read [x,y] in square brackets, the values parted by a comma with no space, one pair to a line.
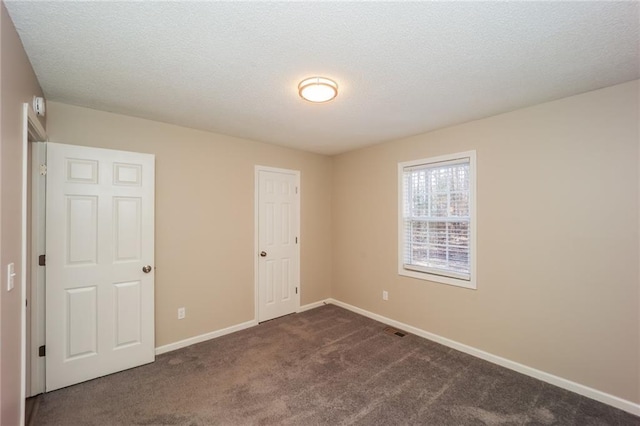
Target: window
[437,219]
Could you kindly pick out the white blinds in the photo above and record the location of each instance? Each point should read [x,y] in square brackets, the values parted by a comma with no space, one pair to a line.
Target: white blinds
[437,215]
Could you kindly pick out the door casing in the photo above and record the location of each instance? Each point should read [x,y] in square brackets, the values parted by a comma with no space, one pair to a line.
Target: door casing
[33,131]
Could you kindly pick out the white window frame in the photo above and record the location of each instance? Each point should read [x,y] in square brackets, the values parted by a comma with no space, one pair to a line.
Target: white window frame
[471,283]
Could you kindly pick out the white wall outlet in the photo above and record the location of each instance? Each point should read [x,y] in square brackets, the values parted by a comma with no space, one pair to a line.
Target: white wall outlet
[182,312]
[385,295]
[11,275]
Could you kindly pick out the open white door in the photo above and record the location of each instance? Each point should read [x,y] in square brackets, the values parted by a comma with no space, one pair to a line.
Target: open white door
[99,257]
[278,257]
[37,321]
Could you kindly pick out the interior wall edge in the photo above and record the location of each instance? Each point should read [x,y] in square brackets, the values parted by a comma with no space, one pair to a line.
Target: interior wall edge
[19,85]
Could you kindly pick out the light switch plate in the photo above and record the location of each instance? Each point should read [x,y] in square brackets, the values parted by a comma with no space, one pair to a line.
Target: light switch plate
[11,275]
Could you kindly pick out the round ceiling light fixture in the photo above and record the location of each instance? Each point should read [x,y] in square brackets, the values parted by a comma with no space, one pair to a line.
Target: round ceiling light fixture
[318,89]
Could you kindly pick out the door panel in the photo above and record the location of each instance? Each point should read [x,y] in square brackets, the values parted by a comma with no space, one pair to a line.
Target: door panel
[82,230]
[127,224]
[127,313]
[278,224]
[81,336]
[99,235]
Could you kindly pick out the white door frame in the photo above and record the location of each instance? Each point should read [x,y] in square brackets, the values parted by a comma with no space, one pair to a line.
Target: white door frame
[256,235]
[31,127]
[36,363]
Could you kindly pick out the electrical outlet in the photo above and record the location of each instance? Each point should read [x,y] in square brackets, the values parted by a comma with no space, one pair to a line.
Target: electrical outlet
[182,312]
[385,295]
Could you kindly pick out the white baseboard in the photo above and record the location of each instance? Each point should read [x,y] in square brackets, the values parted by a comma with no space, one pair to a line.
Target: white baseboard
[312,305]
[218,333]
[204,337]
[603,397]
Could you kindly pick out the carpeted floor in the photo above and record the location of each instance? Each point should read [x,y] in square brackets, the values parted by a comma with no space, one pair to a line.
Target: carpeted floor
[324,366]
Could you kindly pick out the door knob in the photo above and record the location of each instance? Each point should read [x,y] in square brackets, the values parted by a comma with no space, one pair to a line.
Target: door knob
[263,253]
[146,269]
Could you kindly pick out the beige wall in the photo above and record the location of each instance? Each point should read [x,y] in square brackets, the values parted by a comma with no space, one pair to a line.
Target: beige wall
[18,85]
[205,215]
[558,284]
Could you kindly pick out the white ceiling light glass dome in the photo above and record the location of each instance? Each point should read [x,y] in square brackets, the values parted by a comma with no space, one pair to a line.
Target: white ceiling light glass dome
[318,89]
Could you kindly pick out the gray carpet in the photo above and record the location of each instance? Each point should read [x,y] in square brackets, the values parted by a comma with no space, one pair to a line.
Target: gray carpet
[327,366]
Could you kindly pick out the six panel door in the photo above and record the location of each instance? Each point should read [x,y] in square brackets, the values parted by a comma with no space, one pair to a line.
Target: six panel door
[278,262]
[99,235]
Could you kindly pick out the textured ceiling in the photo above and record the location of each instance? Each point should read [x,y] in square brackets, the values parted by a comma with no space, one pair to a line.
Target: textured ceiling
[402,68]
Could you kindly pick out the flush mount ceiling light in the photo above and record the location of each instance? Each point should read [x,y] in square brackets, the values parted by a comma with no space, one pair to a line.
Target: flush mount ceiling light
[318,89]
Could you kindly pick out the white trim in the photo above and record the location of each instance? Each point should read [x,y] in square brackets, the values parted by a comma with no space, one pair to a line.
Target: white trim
[23,271]
[30,124]
[37,130]
[204,337]
[256,236]
[569,385]
[472,282]
[33,127]
[256,244]
[219,333]
[313,305]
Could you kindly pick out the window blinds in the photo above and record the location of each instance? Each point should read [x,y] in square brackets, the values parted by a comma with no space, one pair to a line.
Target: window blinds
[437,218]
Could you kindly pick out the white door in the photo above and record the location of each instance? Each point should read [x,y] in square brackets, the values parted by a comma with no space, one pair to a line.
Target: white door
[278,254]
[37,300]
[99,236]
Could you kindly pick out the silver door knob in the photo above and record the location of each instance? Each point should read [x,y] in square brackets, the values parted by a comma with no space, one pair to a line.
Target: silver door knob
[146,269]
[263,253]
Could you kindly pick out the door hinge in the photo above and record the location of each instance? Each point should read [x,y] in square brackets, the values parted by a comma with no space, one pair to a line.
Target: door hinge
[42,351]
[42,260]
[296,290]
[43,169]
[296,189]
[296,240]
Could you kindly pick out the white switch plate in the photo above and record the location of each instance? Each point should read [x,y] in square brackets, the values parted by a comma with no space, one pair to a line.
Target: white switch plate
[385,295]
[182,312]
[11,274]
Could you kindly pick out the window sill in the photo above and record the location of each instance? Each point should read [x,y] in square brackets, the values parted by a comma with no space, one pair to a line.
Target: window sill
[438,278]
